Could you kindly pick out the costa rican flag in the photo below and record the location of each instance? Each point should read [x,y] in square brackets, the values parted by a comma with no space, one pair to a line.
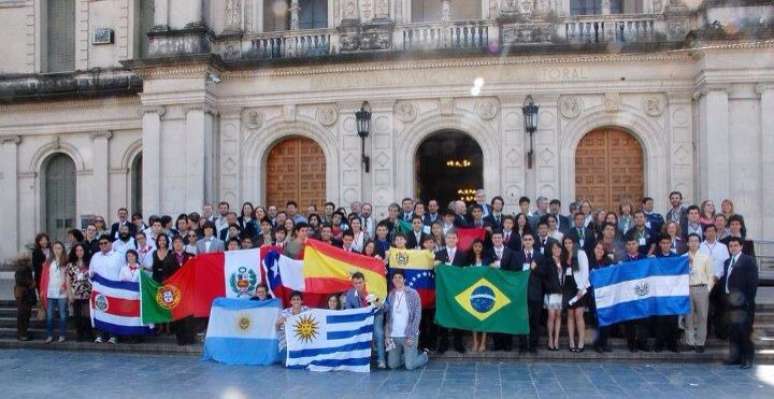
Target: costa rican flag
[115,307]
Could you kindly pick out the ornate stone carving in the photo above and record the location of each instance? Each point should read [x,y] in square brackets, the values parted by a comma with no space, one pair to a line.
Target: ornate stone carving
[653,105]
[349,9]
[527,33]
[366,10]
[487,108]
[381,9]
[327,115]
[612,102]
[570,106]
[445,10]
[233,15]
[406,112]
[376,36]
[252,119]
[526,7]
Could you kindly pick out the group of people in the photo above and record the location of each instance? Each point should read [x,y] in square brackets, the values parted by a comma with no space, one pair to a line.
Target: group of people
[558,250]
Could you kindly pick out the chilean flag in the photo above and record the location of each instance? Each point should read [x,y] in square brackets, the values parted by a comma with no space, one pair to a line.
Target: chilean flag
[417,266]
[115,307]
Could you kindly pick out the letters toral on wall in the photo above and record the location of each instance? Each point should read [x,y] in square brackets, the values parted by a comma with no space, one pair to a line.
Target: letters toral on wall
[563,74]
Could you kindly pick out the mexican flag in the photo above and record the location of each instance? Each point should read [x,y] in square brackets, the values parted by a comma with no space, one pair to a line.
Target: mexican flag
[191,290]
[482,299]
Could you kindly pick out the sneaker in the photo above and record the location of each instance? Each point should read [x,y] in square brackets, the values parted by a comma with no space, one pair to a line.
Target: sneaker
[381,365]
[49,340]
[61,339]
[113,340]
[98,340]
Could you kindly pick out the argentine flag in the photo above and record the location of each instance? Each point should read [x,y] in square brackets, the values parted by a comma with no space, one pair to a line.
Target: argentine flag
[242,332]
[325,340]
[635,290]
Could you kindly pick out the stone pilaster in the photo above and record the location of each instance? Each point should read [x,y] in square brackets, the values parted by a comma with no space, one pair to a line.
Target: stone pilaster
[101,150]
[9,195]
[151,159]
[230,157]
[200,140]
[766,92]
[514,162]
[716,159]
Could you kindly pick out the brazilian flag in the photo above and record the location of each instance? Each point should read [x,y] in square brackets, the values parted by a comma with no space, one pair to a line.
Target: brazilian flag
[483,299]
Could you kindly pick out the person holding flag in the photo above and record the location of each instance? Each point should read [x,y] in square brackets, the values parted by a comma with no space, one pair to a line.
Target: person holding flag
[358,297]
[404,313]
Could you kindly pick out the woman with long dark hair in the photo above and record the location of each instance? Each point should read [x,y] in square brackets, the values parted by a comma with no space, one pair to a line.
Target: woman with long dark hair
[600,258]
[552,273]
[574,288]
[56,292]
[40,254]
[79,291]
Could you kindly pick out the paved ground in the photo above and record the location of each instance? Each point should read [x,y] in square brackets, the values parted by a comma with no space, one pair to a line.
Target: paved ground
[48,374]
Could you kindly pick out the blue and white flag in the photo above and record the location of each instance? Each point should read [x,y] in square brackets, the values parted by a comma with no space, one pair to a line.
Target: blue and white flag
[115,307]
[635,290]
[242,332]
[325,340]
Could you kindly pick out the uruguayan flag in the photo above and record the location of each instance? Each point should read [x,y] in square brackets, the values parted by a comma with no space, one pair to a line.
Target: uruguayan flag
[648,287]
[242,332]
[324,340]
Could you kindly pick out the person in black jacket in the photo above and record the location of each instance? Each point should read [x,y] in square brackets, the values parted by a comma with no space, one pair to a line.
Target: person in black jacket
[635,330]
[599,259]
[552,275]
[529,258]
[24,294]
[740,285]
[503,257]
[454,256]
[40,255]
[583,236]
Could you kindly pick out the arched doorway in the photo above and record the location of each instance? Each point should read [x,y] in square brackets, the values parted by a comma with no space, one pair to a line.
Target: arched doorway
[609,168]
[295,171]
[135,187]
[59,195]
[449,165]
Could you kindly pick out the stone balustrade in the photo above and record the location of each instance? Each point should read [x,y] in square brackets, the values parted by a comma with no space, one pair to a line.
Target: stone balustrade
[608,28]
[443,35]
[293,44]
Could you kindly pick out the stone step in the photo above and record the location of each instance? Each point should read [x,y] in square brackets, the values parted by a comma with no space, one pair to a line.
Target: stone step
[710,355]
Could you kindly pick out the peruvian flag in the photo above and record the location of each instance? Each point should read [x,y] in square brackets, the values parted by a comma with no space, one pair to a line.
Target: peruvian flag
[191,290]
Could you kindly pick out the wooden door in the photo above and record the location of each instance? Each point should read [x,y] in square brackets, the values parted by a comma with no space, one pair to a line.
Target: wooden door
[59,196]
[295,170]
[609,168]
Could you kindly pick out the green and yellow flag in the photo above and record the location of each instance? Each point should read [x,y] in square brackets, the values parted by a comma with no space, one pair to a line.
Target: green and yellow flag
[481,299]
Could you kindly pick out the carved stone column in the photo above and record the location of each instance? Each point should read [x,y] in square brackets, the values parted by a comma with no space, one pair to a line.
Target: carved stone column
[151,160]
[233,16]
[185,32]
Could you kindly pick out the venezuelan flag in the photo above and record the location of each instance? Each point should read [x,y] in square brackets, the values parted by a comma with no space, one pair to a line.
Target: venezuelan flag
[417,265]
[330,269]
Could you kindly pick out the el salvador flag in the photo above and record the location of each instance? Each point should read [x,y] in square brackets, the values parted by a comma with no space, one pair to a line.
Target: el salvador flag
[242,332]
[326,340]
[635,290]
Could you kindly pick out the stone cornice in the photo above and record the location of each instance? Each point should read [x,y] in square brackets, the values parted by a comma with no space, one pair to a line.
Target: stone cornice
[761,88]
[70,104]
[669,56]
[158,109]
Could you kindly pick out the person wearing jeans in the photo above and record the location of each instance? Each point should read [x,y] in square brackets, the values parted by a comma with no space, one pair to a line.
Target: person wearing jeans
[56,292]
[403,309]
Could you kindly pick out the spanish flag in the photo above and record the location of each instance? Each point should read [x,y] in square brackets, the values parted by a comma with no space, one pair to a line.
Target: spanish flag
[329,269]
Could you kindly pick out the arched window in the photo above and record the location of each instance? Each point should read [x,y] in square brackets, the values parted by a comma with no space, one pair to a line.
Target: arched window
[59,195]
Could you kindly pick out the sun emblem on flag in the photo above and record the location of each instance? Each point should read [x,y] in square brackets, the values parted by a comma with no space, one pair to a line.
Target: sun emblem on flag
[168,296]
[641,289]
[243,281]
[306,328]
[244,323]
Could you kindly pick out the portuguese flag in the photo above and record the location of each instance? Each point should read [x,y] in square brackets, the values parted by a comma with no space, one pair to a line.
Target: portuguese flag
[482,299]
[191,290]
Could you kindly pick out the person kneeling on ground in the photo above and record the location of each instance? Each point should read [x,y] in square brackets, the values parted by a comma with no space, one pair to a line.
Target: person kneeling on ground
[403,310]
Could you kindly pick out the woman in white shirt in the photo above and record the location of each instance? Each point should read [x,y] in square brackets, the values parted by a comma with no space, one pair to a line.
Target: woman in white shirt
[360,236]
[575,286]
[132,269]
[56,292]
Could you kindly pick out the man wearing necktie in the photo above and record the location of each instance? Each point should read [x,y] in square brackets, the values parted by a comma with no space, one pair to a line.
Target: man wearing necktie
[740,285]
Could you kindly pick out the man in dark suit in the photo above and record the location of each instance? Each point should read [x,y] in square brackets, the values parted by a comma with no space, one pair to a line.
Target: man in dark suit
[542,240]
[432,214]
[635,330]
[740,284]
[407,209]
[415,238]
[511,238]
[494,219]
[123,219]
[456,257]
[528,259]
[581,235]
[504,258]
[563,223]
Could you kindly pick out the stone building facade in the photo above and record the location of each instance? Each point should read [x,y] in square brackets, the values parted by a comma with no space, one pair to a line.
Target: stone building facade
[163,105]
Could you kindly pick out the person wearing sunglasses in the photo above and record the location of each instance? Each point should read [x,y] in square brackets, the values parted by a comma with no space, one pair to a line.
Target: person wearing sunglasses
[106,263]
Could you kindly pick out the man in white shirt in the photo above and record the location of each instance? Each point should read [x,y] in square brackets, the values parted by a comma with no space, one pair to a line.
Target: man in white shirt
[701,281]
[716,250]
[124,242]
[107,264]
[693,226]
[220,221]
